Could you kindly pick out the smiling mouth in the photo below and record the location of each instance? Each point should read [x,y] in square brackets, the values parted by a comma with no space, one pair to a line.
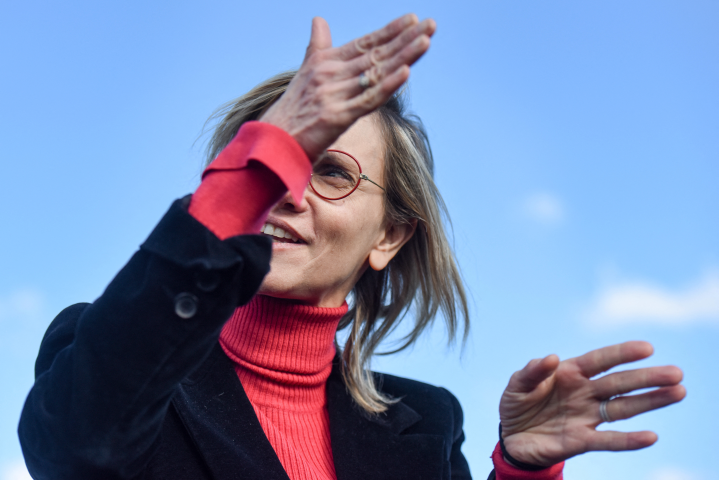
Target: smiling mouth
[279,235]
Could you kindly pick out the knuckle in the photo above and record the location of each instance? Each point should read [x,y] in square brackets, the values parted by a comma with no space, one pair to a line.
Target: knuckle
[367,99]
[315,81]
[374,75]
[375,55]
[366,62]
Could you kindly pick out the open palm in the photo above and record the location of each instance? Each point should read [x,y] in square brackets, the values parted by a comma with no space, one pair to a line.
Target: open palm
[550,409]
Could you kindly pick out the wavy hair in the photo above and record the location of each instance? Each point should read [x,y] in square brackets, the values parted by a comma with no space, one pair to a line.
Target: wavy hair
[422,278]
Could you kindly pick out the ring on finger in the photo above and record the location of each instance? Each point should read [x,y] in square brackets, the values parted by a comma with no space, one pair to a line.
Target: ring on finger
[364,81]
[359,47]
[603,414]
[373,56]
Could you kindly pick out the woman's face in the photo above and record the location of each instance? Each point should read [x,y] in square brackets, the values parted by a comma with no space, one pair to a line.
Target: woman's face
[339,239]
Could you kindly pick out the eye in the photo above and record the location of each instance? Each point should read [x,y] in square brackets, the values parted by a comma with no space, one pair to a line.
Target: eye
[337,169]
[333,171]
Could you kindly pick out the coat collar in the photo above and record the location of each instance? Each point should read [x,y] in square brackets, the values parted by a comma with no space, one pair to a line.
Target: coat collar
[216,411]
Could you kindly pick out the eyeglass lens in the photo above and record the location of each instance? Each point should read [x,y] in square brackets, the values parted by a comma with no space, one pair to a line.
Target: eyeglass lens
[335,175]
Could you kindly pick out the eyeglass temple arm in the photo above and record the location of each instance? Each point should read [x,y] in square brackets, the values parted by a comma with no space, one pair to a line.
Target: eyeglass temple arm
[365,177]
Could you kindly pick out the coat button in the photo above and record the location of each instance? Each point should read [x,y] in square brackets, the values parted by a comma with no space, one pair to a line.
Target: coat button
[207,281]
[186,305]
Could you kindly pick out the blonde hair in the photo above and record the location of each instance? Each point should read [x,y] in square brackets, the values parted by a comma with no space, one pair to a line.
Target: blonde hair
[422,277]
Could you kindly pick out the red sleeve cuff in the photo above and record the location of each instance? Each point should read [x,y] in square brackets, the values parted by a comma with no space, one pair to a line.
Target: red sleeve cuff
[271,146]
[248,178]
[505,471]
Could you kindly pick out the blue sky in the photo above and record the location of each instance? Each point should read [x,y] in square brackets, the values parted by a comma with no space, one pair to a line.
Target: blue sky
[576,146]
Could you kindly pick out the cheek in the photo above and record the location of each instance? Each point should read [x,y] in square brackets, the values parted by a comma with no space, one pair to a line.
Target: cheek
[351,235]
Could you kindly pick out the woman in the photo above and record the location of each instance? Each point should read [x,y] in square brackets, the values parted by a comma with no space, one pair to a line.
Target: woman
[137,386]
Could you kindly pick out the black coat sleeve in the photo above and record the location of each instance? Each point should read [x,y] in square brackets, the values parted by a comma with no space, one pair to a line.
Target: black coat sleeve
[106,371]
[459,467]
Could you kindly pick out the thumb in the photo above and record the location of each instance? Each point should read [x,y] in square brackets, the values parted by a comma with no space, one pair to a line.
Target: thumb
[320,38]
[533,374]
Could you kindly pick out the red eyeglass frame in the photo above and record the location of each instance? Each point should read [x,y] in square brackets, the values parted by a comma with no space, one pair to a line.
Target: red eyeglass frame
[351,191]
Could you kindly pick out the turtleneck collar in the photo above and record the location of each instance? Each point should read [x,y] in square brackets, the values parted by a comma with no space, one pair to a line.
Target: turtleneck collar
[282,350]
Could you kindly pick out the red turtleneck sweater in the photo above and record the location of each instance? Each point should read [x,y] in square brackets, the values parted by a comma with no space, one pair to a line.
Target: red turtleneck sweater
[282,350]
[283,355]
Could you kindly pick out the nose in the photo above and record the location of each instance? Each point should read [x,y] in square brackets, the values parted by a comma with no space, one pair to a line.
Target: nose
[289,203]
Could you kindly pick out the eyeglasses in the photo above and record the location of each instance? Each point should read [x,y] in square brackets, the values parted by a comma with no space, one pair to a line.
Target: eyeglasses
[336,175]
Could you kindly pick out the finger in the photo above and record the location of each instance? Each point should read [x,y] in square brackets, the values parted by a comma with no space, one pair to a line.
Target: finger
[320,38]
[601,360]
[406,56]
[347,89]
[384,53]
[351,88]
[620,441]
[375,96]
[624,382]
[363,44]
[536,371]
[627,407]
[415,50]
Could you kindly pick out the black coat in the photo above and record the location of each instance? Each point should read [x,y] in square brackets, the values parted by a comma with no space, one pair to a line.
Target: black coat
[135,385]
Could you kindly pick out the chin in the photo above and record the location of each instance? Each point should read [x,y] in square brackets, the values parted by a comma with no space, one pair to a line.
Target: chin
[272,286]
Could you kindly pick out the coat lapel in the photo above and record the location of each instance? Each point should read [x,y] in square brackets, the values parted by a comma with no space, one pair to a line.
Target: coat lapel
[375,447]
[216,411]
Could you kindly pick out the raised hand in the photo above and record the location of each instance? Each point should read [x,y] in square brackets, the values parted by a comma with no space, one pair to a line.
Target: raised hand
[328,94]
[550,409]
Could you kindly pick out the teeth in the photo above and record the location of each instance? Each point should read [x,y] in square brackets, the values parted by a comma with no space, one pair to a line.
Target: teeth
[278,232]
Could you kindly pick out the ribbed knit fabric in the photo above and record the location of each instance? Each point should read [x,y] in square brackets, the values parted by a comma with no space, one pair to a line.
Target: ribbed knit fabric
[283,355]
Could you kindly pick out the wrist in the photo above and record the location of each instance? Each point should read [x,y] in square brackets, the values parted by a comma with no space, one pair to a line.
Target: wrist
[505,470]
[513,461]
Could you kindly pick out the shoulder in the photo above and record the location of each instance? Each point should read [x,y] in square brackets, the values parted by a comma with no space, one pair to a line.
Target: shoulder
[59,335]
[406,387]
[438,407]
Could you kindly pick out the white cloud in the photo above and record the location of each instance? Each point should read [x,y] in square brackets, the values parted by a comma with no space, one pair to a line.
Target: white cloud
[544,208]
[671,473]
[633,302]
[15,471]
[24,303]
